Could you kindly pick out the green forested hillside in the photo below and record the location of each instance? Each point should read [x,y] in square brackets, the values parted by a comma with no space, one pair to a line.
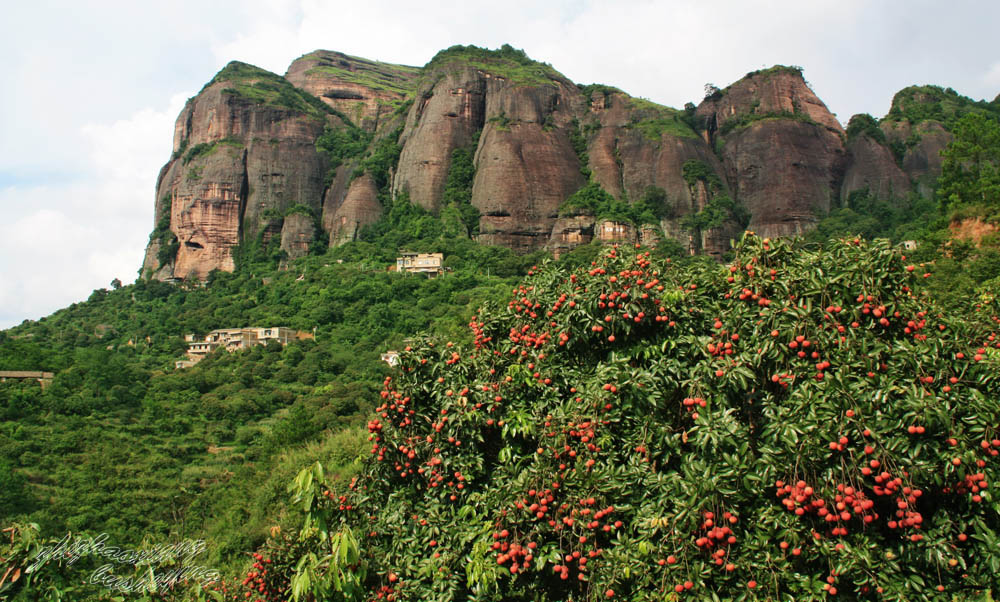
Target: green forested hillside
[123,443]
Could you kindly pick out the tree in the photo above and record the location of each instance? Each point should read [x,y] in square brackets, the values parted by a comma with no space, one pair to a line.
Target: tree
[970,168]
[798,424]
[14,495]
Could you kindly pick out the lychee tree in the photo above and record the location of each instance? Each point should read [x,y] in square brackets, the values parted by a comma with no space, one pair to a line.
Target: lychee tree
[800,424]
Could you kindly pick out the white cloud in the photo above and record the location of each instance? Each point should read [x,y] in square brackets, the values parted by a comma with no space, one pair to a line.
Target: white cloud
[992,77]
[59,242]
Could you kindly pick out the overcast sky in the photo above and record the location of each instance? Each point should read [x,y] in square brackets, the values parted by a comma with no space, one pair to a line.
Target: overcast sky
[92,89]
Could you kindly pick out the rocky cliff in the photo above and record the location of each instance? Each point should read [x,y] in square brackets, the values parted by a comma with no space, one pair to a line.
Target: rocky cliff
[783,151]
[244,152]
[871,168]
[546,163]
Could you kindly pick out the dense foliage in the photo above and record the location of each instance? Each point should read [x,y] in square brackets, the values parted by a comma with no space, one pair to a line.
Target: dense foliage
[720,206]
[916,104]
[123,443]
[970,167]
[802,423]
[593,200]
[459,216]
[863,123]
[341,143]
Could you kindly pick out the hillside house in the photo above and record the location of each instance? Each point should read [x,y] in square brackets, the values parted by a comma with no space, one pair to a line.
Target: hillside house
[391,357]
[234,339]
[43,378]
[420,263]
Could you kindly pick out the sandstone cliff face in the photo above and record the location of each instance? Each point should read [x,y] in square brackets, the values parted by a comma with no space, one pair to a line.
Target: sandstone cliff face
[782,150]
[297,233]
[367,92]
[245,154]
[785,172]
[924,143]
[240,158]
[626,159]
[871,167]
[446,114]
[525,164]
[778,90]
[359,208]
[636,147]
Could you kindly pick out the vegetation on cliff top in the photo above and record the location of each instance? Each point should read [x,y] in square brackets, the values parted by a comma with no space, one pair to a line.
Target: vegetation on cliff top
[263,87]
[654,120]
[934,103]
[507,62]
[711,91]
[865,124]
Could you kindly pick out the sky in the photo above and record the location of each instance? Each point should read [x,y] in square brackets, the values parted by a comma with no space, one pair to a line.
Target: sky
[92,89]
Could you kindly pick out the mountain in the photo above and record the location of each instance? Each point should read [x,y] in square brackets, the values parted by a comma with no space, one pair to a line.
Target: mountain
[527,159]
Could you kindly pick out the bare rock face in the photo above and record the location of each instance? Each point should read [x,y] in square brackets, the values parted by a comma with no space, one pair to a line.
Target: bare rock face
[782,150]
[336,194]
[205,212]
[525,164]
[630,153]
[638,145]
[871,167]
[367,92]
[297,233]
[785,172]
[924,143]
[445,116]
[244,153]
[360,208]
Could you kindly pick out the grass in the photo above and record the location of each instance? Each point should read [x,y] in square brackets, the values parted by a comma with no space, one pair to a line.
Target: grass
[205,149]
[263,87]
[654,120]
[746,120]
[602,90]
